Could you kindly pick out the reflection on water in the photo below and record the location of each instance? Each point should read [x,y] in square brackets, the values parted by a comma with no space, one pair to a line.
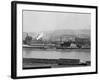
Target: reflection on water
[82,54]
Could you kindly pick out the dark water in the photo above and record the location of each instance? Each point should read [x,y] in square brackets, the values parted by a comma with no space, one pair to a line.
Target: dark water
[82,54]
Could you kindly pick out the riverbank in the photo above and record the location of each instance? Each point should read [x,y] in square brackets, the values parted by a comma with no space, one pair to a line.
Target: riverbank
[47,47]
[33,63]
[61,50]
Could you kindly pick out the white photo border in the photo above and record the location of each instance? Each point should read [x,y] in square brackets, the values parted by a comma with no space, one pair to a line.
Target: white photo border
[17,70]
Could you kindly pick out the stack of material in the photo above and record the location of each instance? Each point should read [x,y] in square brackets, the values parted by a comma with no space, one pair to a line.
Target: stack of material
[52,61]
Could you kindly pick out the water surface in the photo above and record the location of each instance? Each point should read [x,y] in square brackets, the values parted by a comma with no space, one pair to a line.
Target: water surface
[82,54]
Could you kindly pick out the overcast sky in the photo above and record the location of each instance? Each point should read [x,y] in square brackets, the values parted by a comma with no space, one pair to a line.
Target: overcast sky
[38,21]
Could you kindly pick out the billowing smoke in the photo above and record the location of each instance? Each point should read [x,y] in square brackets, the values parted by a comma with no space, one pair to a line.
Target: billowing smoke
[40,35]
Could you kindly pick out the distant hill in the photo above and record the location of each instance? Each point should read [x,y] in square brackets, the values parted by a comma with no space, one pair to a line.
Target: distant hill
[59,33]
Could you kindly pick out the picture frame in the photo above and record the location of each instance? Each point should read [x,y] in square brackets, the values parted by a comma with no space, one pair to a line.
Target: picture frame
[37,14]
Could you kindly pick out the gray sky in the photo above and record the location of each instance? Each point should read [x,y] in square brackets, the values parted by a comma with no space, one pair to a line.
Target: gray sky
[38,21]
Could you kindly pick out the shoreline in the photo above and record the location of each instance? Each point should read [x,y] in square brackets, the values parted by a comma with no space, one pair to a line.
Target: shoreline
[51,48]
[34,63]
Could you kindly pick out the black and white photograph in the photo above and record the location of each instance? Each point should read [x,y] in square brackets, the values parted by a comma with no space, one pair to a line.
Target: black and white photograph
[53,39]
[56,39]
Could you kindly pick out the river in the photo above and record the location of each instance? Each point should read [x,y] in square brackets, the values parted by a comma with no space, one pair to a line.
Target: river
[82,54]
